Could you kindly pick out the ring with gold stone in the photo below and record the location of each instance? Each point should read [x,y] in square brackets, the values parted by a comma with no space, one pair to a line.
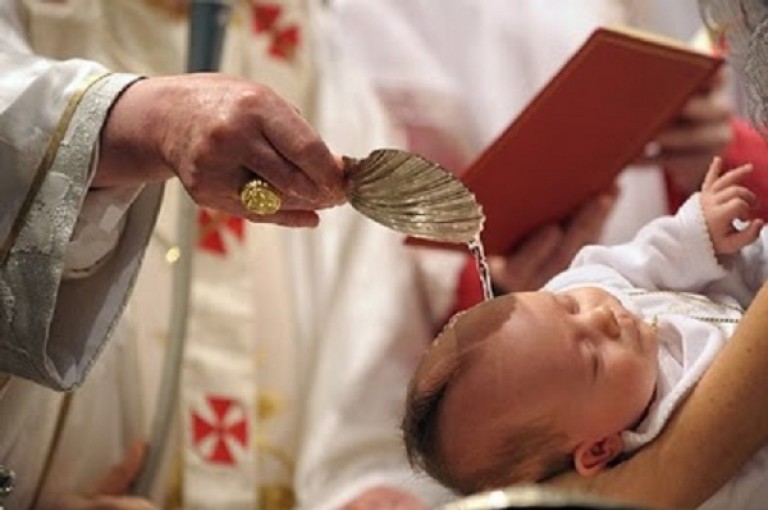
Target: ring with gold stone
[260,197]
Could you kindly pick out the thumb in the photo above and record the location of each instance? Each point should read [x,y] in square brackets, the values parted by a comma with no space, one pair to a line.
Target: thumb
[752,231]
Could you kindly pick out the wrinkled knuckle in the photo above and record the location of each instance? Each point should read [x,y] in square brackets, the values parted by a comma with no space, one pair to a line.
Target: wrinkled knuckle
[220,134]
[313,146]
[252,112]
[203,152]
[256,98]
[309,149]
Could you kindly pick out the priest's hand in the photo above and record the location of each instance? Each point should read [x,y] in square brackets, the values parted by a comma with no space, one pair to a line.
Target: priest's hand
[550,249]
[109,493]
[216,133]
[385,498]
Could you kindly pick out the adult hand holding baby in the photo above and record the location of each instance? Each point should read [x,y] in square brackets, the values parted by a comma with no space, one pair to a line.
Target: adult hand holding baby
[550,249]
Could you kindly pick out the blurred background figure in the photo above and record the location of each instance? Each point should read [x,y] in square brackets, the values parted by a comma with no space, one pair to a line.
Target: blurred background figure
[451,99]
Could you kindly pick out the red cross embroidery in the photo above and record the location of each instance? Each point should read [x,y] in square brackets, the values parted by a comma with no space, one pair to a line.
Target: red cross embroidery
[285,42]
[220,438]
[284,39]
[211,225]
[265,16]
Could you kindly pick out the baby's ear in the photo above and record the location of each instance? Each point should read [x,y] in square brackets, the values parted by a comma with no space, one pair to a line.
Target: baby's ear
[591,458]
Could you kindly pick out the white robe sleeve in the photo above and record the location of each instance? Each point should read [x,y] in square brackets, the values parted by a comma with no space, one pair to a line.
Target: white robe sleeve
[51,114]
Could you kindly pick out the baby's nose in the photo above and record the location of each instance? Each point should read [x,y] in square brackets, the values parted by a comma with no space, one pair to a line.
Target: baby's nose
[603,320]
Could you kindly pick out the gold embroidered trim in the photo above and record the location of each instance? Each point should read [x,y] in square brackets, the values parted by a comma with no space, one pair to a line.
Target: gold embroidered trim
[176,9]
[47,162]
[276,497]
[689,310]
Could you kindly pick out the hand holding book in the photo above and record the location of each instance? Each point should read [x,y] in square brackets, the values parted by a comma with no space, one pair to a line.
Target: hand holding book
[549,249]
[617,92]
[591,120]
[700,131]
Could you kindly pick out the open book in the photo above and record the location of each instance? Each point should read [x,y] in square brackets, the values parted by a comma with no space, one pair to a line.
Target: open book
[592,119]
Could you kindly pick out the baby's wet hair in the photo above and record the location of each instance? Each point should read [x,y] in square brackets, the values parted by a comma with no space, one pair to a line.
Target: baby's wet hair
[526,454]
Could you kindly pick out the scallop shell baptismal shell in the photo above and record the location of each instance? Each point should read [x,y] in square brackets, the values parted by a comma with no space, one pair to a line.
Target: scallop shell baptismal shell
[414,196]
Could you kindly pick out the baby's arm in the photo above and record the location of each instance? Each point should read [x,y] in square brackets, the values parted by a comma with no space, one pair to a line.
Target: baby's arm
[723,200]
[694,239]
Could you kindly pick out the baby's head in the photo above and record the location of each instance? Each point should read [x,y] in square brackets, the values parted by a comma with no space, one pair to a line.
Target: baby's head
[527,385]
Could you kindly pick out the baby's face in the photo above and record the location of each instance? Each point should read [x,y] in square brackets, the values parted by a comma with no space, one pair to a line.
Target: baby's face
[575,359]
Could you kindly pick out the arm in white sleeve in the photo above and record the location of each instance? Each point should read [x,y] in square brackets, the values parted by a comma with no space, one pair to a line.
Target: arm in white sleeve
[98,229]
[51,114]
[670,253]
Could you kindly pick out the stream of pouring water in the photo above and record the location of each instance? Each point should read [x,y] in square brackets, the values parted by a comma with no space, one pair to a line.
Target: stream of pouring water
[476,248]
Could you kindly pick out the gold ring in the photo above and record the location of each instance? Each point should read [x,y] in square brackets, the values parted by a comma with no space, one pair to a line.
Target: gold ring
[259,197]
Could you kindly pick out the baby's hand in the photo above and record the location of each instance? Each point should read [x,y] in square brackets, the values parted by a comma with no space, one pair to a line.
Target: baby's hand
[724,200]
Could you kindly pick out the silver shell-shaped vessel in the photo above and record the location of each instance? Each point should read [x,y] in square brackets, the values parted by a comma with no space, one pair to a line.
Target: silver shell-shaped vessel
[414,196]
[530,497]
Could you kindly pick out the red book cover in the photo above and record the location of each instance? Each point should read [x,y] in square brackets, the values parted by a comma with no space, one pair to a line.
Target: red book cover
[592,119]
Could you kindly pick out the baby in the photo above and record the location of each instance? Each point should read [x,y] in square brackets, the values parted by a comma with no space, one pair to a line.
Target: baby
[587,370]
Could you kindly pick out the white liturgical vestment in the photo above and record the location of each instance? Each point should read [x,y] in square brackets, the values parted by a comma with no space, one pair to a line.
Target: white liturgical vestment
[300,342]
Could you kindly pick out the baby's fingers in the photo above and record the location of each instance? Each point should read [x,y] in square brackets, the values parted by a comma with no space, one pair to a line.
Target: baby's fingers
[712,173]
[738,193]
[731,177]
[737,208]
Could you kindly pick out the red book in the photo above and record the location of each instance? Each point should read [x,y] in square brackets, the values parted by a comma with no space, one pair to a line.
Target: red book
[588,123]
